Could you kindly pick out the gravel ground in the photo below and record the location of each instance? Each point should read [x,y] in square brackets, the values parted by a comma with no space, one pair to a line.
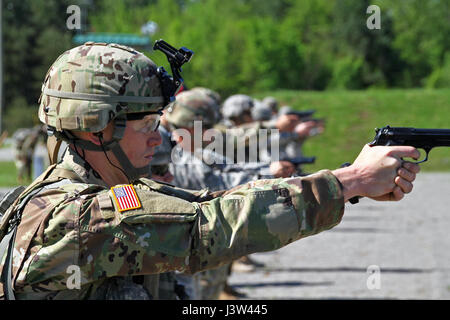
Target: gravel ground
[407,241]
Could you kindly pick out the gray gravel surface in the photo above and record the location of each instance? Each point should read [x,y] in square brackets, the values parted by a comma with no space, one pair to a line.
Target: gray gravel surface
[408,241]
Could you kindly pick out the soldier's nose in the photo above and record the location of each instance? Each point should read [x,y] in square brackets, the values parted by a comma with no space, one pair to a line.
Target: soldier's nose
[154,139]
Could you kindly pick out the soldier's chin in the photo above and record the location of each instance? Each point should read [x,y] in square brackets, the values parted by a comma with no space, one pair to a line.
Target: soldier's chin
[146,161]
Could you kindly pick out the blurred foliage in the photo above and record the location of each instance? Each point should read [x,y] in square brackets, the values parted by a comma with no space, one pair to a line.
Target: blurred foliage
[250,45]
[244,46]
[34,35]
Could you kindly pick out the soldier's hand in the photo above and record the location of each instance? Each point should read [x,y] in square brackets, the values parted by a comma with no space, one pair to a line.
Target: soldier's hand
[287,122]
[406,174]
[380,173]
[282,169]
[304,129]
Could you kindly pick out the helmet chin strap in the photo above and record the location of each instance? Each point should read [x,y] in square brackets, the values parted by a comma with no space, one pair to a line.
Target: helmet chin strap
[131,172]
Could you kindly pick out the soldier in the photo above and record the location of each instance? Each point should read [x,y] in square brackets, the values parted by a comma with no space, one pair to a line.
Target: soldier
[241,129]
[237,110]
[26,141]
[91,227]
[297,128]
[22,156]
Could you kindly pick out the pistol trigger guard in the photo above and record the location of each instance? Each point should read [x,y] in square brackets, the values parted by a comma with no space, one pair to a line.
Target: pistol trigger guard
[427,150]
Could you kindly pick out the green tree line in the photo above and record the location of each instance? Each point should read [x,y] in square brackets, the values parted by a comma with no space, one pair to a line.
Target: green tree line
[247,46]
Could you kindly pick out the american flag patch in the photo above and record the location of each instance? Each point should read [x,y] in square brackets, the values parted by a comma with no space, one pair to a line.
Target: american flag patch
[126,197]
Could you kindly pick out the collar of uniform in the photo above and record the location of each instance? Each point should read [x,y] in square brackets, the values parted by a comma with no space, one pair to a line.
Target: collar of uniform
[73,162]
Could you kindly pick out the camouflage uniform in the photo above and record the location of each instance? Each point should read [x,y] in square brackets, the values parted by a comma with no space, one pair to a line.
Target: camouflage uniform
[74,226]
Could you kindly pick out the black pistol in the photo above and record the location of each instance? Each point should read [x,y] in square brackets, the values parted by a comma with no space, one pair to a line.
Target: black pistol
[425,139]
[299,160]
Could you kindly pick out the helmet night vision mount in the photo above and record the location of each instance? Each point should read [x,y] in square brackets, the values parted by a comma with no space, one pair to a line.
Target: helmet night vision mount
[177,57]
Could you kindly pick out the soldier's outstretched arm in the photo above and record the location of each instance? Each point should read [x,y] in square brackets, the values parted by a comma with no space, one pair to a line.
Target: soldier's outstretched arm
[168,233]
[261,215]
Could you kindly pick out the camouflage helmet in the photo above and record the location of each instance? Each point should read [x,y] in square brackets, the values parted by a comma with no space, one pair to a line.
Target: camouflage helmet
[236,105]
[190,106]
[271,102]
[211,93]
[89,85]
[215,96]
[261,111]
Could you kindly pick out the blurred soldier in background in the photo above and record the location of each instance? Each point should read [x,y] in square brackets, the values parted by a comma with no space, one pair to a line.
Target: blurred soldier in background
[40,155]
[283,132]
[25,140]
[237,110]
[297,128]
[22,158]
[242,133]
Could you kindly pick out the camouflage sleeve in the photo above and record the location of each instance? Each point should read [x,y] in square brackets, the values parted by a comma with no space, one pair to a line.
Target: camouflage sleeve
[265,215]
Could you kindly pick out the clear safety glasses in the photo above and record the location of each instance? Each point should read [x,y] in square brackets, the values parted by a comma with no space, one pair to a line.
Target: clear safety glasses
[146,124]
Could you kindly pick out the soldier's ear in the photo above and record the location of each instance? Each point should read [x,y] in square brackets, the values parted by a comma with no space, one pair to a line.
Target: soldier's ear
[95,137]
[177,137]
